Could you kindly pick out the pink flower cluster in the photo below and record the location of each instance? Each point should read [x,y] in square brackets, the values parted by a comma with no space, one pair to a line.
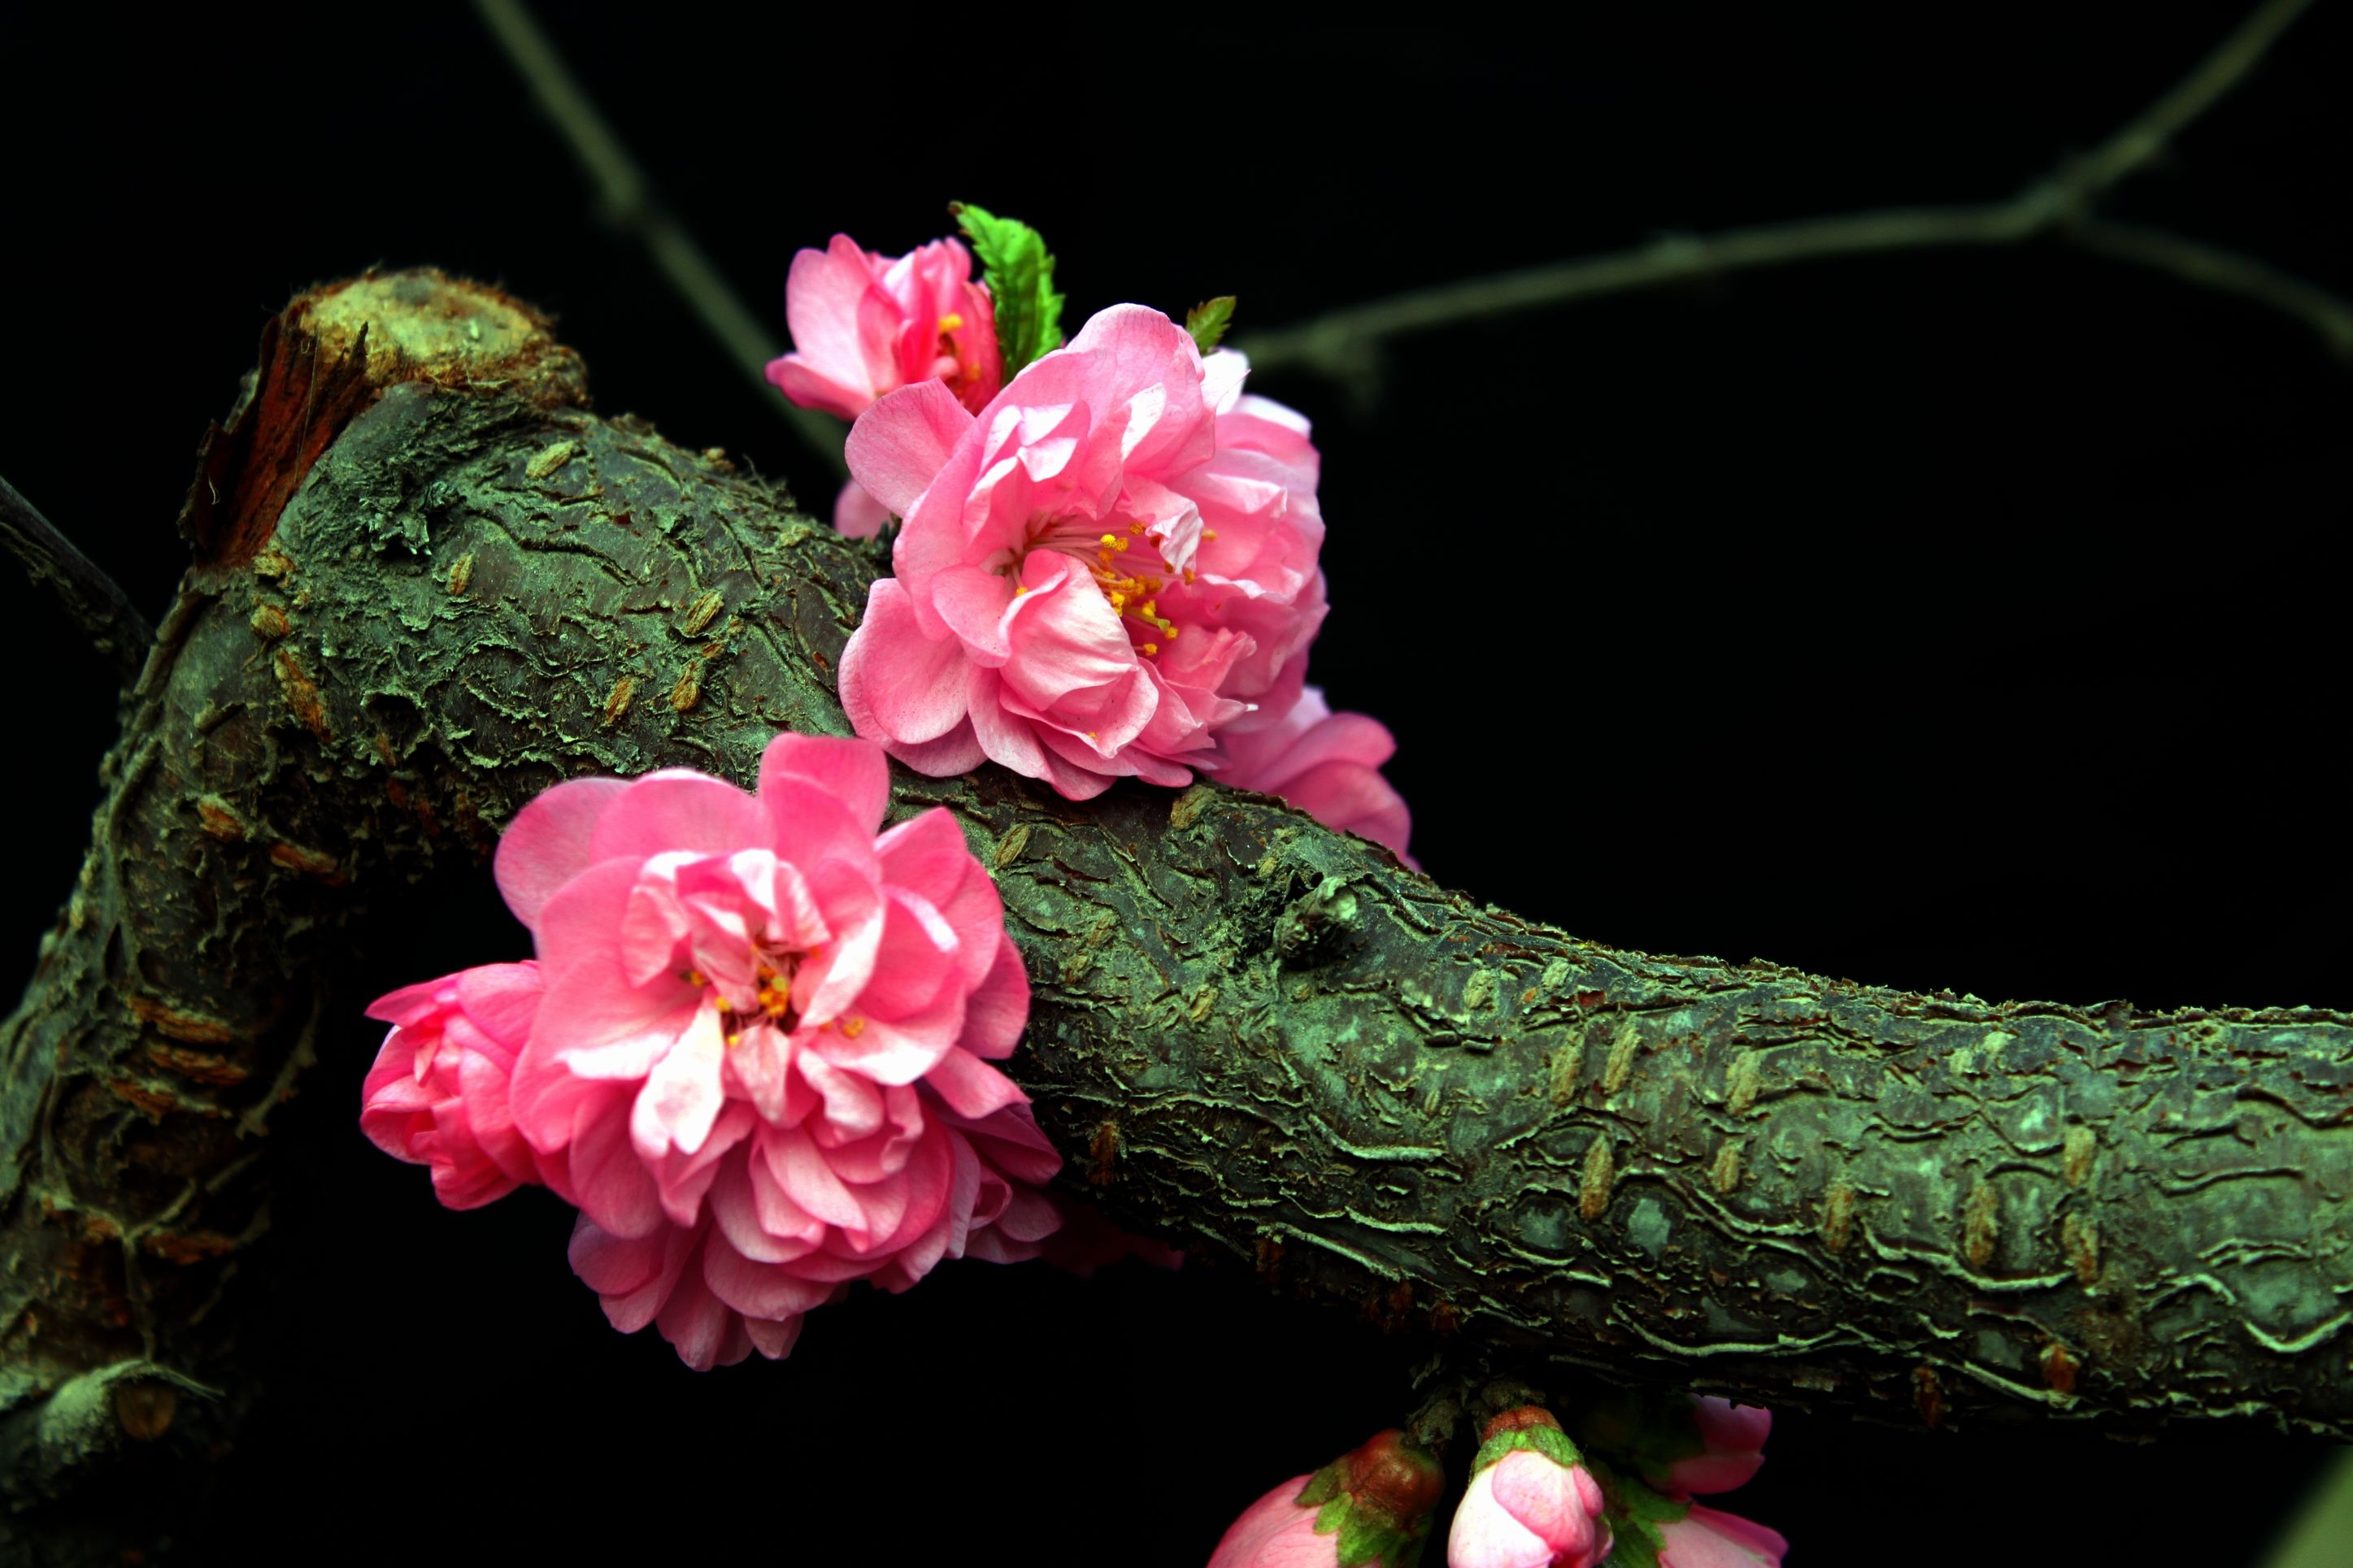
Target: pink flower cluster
[1730,1440]
[754,1049]
[1108,567]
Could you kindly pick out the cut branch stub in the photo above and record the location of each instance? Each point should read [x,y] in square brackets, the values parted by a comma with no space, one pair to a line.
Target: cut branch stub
[1262,1038]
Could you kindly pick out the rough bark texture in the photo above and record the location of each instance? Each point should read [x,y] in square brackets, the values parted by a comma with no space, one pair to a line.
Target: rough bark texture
[430,584]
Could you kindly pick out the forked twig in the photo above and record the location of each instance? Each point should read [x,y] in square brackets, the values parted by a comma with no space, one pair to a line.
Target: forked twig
[1344,342]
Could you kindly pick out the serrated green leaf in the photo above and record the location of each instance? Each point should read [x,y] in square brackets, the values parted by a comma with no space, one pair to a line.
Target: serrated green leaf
[1208,320]
[1370,1538]
[1552,1444]
[1019,272]
[1635,1513]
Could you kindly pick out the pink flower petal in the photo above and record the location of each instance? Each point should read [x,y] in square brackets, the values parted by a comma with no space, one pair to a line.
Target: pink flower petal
[901,444]
[549,843]
[971,1086]
[858,515]
[676,811]
[999,1009]
[898,685]
[852,771]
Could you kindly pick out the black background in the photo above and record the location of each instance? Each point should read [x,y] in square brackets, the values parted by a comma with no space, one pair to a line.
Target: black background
[1966,619]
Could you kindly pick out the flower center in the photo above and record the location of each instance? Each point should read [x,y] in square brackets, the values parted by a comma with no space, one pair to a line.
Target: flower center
[771,1002]
[1126,564]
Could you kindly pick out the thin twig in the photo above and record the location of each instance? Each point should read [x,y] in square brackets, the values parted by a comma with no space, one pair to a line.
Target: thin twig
[2193,95]
[2211,266]
[96,603]
[1345,342]
[626,200]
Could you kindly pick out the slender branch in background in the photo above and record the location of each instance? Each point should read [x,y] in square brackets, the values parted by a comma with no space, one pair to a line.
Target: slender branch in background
[92,599]
[2211,266]
[1344,342]
[626,200]
[2314,1536]
[2192,96]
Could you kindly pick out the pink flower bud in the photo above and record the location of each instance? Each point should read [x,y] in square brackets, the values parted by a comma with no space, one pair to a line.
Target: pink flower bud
[1532,1503]
[864,324]
[1704,1537]
[1680,1444]
[1372,1505]
[1733,1448]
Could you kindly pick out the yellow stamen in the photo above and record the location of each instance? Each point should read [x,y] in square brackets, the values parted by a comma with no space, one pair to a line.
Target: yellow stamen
[694,977]
[1188,576]
[1111,541]
[950,322]
[853,1027]
[1209,533]
[1136,528]
[1150,648]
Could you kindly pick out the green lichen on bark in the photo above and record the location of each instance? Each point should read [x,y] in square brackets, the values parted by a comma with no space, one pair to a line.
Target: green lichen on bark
[1259,1038]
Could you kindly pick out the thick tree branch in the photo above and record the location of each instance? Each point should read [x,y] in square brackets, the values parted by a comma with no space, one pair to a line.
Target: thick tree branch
[1261,1037]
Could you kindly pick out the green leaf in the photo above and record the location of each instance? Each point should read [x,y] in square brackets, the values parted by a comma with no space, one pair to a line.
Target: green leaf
[1208,320]
[1551,1443]
[1635,1513]
[1321,1486]
[1019,272]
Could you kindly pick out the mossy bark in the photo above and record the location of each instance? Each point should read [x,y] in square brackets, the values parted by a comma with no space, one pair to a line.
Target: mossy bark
[456,587]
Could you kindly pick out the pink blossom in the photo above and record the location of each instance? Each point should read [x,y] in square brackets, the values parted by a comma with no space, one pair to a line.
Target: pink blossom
[1733,1440]
[761,1068]
[1525,1510]
[1704,1538]
[1277,1531]
[1531,1503]
[1327,765]
[1384,1490]
[437,1093]
[864,324]
[1114,559]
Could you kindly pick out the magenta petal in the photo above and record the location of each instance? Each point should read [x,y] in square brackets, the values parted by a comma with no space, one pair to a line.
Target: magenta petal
[927,855]
[410,1003]
[758,1289]
[897,684]
[854,772]
[633,1276]
[682,1095]
[957,752]
[697,1324]
[858,515]
[767,1227]
[678,811]
[547,844]
[971,1086]
[998,1010]
[800,1168]
[609,1182]
[501,999]
[773,1340]
[902,441]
